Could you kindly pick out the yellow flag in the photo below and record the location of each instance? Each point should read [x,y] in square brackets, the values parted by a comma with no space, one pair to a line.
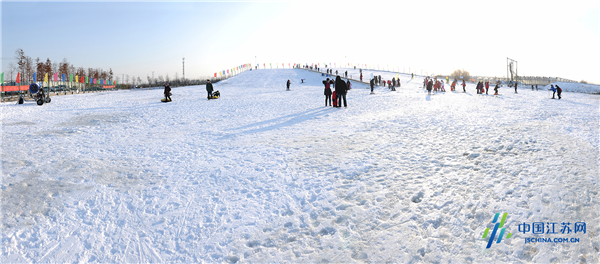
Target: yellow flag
[46,78]
[76,78]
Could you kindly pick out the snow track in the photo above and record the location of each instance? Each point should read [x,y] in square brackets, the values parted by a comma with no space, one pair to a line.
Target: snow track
[267,175]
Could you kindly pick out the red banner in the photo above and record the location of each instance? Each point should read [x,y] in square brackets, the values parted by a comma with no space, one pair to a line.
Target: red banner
[14,88]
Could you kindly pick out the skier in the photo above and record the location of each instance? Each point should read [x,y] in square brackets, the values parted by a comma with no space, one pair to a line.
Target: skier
[340,89]
[327,92]
[553,90]
[558,92]
[209,88]
[463,85]
[496,88]
[167,92]
[288,84]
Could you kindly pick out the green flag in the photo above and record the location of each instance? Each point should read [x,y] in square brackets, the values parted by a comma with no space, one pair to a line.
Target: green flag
[70,77]
[2,78]
[86,80]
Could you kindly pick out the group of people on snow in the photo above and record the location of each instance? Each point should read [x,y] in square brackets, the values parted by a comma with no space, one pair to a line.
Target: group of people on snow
[340,89]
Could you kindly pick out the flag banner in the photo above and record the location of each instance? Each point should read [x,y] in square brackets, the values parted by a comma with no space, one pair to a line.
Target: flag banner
[63,77]
[46,77]
[2,78]
[70,77]
[55,77]
[215,74]
[34,75]
[76,78]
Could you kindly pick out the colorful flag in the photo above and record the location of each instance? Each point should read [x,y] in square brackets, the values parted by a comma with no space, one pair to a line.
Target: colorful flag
[18,81]
[71,78]
[55,77]
[215,74]
[46,77]
[34,75]
[76,78]
[63,77]
[2,78]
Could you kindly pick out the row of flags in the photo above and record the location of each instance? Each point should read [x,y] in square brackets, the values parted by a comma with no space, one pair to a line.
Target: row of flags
[233,70]
[72,78]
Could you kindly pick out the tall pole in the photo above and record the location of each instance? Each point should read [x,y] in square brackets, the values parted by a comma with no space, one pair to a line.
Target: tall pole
[183,62]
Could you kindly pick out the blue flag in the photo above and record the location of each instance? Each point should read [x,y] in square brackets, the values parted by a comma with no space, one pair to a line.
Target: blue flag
[34,79]
[63,77]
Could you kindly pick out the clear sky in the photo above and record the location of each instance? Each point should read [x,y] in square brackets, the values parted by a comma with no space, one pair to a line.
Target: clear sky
[547,38]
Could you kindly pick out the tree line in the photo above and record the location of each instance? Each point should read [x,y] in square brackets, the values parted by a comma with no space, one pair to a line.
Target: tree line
[26,66]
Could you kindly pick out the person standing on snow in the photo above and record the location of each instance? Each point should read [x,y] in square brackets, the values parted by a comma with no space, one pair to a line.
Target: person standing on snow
[167,92]
[516,86]
[348,85]
[288,84]
[463,85]
[453,85]
[209,88]
[558,92]
[340,90]
[429,86]
[327,91]
[487,86]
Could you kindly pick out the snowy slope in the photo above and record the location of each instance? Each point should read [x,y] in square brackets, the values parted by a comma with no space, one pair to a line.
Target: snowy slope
[268,175]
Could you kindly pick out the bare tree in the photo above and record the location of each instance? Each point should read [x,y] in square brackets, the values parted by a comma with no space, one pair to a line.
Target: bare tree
[21,61]
[127,78]
[11,69]
[160,79]
[149,80]
[29,67]
[167,77]
[458,73]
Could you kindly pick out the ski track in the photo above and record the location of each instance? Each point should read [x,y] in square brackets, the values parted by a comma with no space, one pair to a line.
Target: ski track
[268,175]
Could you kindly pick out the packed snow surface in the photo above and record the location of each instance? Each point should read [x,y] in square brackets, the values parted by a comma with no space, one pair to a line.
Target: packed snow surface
[268,175]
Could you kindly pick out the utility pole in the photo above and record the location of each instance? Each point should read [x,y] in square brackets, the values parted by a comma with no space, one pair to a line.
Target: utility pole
[153,76]
[183,62]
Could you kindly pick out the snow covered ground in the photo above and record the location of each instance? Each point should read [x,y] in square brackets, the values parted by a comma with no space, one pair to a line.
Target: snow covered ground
[268,175]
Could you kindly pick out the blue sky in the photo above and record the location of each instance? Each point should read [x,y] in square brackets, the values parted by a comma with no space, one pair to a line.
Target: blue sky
[547,38]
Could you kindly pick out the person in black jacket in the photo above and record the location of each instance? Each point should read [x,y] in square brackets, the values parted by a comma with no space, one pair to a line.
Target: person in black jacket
[167,92]
[288,84]
[327,92]
[429,86]
[209,88]
[372,82]
[558,92]
[340,90]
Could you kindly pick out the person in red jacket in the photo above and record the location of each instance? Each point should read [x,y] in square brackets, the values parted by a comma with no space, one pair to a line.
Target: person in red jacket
[453,85]
[487,86]
[463,85]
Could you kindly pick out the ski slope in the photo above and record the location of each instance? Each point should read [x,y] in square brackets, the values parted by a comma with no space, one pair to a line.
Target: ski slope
[268,175]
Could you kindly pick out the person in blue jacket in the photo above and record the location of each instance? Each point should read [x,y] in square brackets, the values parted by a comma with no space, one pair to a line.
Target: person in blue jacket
[553,90]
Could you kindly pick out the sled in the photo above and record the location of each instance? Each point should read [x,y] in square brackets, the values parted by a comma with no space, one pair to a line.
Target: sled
[165,100]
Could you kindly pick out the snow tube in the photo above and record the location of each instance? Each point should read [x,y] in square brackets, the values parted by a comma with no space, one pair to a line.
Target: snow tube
[40,101]
[165,100]
[34,88]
